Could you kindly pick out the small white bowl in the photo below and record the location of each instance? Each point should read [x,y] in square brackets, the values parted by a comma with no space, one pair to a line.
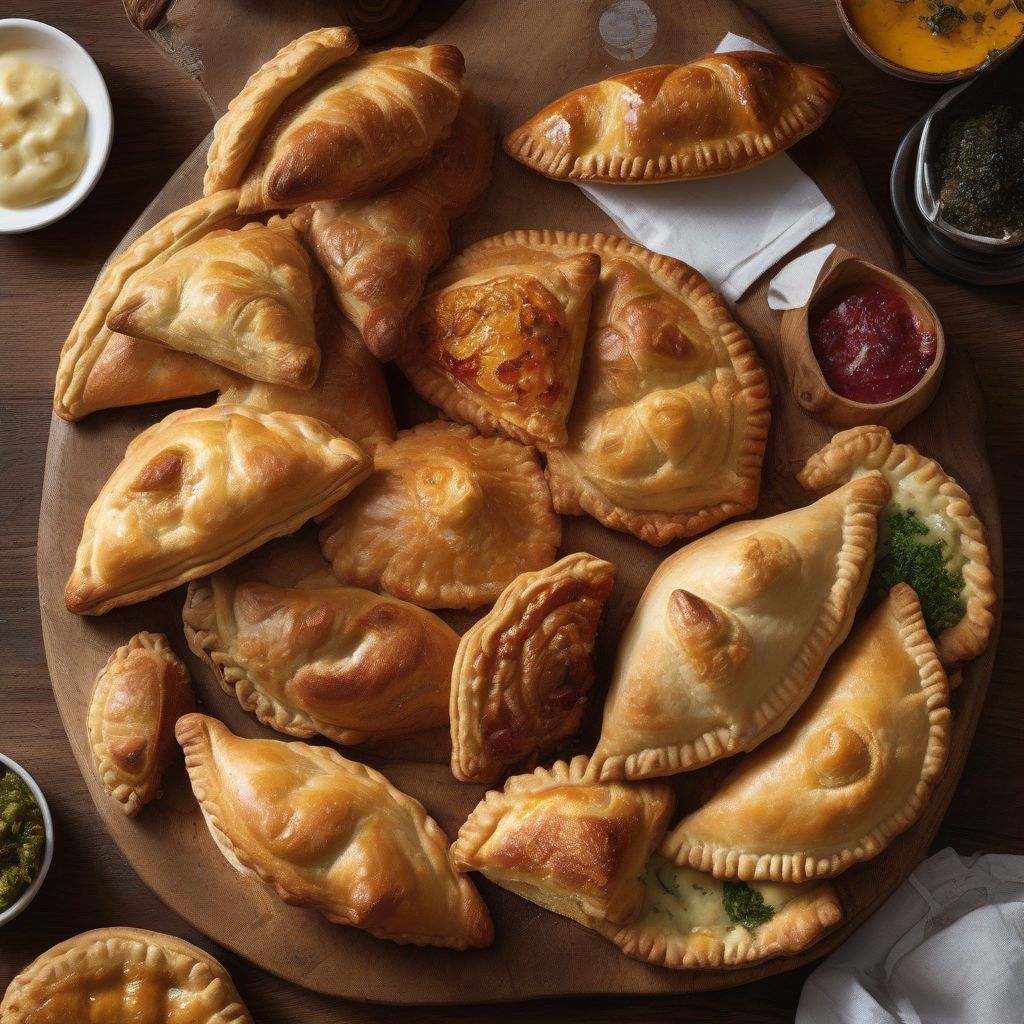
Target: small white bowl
[50,46]
[30,893]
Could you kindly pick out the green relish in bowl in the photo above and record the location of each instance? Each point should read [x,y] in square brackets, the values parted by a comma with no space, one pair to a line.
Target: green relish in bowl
[22,837]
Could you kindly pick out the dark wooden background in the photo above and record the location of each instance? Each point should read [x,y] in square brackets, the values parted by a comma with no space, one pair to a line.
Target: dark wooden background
[159,118]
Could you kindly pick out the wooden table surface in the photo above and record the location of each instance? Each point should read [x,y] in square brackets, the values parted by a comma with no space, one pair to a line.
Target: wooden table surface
[159,118]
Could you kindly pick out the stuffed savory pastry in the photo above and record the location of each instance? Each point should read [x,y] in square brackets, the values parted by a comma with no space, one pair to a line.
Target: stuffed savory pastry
[317,122]
[333,835]
[733,631]
[720,114]
[523,671]
[852,770]
[198,490]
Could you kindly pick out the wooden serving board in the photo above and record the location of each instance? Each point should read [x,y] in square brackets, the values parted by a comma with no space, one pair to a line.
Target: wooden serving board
[519,56]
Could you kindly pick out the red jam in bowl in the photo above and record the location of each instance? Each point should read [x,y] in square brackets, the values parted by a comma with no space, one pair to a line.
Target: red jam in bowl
[869,344]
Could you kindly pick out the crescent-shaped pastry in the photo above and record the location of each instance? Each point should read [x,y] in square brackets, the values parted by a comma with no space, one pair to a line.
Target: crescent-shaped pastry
[123,974]
[198,490]
[447,520]
[852,770]
[322,658]
[720,114]
[523,671]
[316,122]
[930,536]
[138,696]
[693,920]
[733,631]
[566,842]
[331,834]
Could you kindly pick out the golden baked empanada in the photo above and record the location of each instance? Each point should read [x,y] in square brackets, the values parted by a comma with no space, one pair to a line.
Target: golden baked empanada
[198,490]
[722,113]
[691,919]
[498,343]
[733,631]
[138,696]
[852,770]
[447,520]
[566,842]
[331,834]
[115,975]
[316,122]
[322,658]
[929,537]
[523,671]
[244,299]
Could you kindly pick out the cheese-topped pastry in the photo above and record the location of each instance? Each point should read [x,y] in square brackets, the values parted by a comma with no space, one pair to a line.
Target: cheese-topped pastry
[115,975]
[138,696]
[733,631]
[523,671]
[722,113]
[447,520]
[316,122]
[930,535]
[498,342]
[198,490]
[331,834]
[852,770]
[566,842]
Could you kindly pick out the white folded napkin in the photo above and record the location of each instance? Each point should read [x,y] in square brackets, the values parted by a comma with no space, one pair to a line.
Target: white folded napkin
[793,284]
[732,228]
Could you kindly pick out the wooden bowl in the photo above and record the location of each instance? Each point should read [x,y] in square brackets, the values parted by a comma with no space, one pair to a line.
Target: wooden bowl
[811,390]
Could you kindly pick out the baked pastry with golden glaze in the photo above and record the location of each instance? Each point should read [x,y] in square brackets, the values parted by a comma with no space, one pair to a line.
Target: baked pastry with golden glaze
[930,536]
[566,842]
[447,520]
[733,631]
[198,490]
[123,975]
[720,114]
[331,834]
[316,122]
[852,770]
[138,696]
[523,671]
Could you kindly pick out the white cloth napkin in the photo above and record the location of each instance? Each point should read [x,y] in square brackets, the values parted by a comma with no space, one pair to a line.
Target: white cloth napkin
[946,948]
[793,284]
[733,228]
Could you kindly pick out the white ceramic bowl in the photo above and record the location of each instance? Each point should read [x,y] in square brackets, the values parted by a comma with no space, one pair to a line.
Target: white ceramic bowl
[44,865]
[50,46]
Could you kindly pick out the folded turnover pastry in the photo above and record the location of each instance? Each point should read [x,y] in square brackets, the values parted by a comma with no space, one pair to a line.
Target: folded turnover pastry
[852,770]
[198,490]
[331,834]
[523,671]
[138,696]
[123,974]
[447,520]
[930,536]
[722,113]
[733,631]
[316,122]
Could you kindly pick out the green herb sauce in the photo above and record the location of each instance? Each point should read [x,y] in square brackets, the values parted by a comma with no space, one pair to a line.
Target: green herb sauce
[21,837]
[745,906]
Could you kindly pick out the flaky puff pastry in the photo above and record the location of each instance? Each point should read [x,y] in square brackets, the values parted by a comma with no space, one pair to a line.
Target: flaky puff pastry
[720,114]
[852,770]
[316,122]
[331,834]
[566,842]
[685,921]
[123,976]
[733,631]
[922,487]
[497,342]
[447,520]
[322,658]
[523,672]
[198,490]
[138,696]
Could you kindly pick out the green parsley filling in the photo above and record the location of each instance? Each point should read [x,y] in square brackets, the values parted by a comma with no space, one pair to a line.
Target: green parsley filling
[745,906]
